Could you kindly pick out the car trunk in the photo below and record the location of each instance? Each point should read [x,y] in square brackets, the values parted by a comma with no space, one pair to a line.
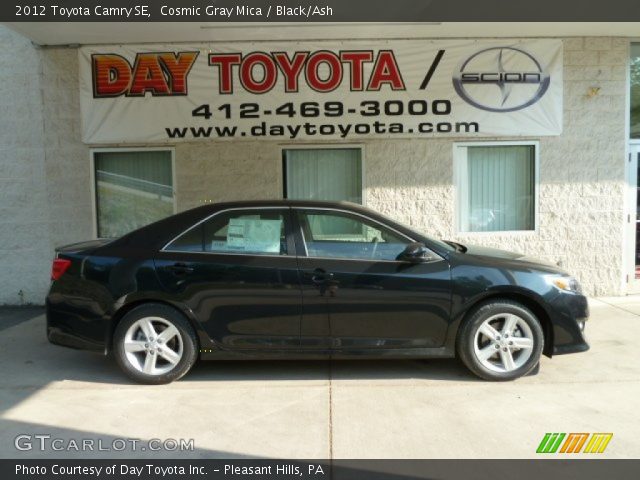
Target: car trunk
[85,246]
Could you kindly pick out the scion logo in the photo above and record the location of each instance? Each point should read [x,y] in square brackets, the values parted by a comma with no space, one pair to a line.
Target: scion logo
[520,79]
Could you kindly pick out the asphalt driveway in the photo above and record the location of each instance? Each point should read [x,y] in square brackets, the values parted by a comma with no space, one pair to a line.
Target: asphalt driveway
[355,409]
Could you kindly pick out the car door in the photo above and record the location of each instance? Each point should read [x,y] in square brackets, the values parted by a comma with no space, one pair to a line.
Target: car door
[357,296]
[237,271]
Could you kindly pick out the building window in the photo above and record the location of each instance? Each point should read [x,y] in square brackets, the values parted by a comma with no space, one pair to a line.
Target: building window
[635,91]
[496,187]
[332,174]
[133,189]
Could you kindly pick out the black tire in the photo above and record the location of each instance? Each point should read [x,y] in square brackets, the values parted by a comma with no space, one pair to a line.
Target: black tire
[475,319]
[186,334]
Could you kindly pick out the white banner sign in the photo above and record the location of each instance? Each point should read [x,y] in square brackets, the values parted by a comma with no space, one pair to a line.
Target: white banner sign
[320,90]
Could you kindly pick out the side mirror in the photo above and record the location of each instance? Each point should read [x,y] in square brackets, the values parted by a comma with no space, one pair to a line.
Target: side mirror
[415,252]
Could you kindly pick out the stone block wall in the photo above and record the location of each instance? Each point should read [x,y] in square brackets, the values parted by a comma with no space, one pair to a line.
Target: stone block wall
[44,168]
[581,175]
[24,236]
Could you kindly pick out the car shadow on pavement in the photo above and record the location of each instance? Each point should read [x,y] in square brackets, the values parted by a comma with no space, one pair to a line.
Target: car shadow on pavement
[400,370]
[12,316]
[32,362]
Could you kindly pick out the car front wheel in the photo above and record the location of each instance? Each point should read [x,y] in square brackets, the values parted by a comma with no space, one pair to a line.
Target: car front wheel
[155,344]
[500,340]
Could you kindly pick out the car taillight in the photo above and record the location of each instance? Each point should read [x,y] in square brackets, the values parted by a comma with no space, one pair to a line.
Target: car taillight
[60,265]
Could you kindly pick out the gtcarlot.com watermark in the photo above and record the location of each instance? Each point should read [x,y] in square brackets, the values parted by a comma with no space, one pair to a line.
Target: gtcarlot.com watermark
[49,443]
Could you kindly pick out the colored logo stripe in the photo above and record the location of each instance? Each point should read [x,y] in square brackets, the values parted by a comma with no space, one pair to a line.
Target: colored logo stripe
[598,442]
[574,442]
[550,443]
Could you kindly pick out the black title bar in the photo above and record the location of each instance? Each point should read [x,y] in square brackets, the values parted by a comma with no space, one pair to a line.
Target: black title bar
[319,11]
[122,469]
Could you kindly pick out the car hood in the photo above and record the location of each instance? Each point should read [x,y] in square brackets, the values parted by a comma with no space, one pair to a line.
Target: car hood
[493,254]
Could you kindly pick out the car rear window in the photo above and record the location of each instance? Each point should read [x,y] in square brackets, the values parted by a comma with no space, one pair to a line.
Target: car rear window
[259,232]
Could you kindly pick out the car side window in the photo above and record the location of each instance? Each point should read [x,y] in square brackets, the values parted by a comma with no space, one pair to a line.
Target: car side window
[189,241]
[341,235]
[254,232]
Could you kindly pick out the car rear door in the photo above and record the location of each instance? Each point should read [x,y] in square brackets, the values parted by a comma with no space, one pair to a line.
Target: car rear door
[237,271]
[357,296]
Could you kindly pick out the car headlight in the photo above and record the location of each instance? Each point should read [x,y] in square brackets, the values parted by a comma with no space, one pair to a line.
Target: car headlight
[565,283]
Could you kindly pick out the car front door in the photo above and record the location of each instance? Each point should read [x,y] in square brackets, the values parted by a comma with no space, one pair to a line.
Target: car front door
[237,271]
[357,295]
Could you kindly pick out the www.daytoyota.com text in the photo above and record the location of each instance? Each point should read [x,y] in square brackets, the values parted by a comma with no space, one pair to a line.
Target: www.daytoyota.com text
[327,110]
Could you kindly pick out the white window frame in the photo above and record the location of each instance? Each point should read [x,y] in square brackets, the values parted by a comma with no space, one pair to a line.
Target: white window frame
[628,280]
[460,162]
[332,146]
[94,199]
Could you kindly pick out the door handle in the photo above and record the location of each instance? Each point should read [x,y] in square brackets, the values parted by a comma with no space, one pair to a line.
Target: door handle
[180,268]
[320,276]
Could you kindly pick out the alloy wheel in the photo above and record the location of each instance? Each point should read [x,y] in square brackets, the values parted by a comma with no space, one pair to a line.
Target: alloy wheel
[153,346]
[503,342]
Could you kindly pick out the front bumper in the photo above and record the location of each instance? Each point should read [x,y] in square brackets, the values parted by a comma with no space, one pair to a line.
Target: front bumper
[569,313]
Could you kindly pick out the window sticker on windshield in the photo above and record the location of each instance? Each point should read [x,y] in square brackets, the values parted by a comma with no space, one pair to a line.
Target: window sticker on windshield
[254,235]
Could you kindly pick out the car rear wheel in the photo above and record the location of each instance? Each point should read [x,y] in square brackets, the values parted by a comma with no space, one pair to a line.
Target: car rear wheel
[155,344]
[501,340]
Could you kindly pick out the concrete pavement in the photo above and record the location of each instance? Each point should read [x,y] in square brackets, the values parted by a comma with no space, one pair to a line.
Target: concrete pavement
[354,409]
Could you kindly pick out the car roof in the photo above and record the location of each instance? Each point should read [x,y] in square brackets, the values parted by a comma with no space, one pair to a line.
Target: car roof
[287,203]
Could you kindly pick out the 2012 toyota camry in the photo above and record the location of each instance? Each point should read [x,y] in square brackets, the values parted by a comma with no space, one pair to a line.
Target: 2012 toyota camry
[306,280]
